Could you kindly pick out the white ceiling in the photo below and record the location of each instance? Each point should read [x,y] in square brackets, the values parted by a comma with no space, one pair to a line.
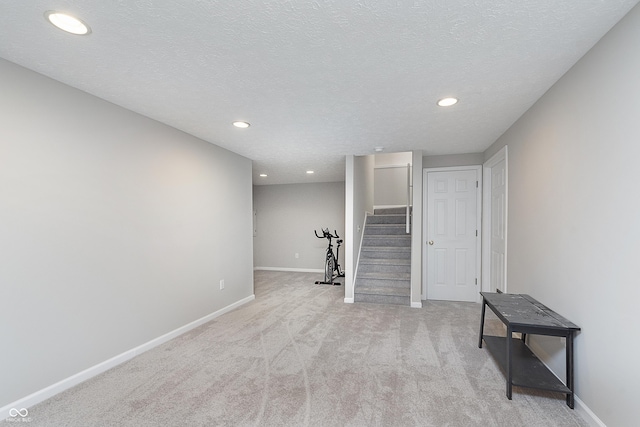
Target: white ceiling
[317,79]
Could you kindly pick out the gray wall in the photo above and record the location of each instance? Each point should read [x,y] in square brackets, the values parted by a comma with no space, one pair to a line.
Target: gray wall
[359,202]
[417,238]
[452,160]
[390,179]
[390,186]
[115,230]
[287,215]
[574,217]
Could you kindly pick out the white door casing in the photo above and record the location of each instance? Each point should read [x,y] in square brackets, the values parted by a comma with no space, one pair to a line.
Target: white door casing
[495,222]
[452,230]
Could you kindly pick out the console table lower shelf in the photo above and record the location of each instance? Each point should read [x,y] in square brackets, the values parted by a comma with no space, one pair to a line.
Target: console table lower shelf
[528,370]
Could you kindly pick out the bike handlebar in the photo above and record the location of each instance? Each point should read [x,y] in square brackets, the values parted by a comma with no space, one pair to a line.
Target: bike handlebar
[326,234]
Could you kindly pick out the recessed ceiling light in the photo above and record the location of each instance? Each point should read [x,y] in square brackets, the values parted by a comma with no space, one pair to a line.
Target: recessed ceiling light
[309,172]
[447,102]
[379,149]
[263,175]
[241,124]
[67,23]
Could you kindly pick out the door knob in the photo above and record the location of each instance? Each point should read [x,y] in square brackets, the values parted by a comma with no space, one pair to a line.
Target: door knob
[431,242]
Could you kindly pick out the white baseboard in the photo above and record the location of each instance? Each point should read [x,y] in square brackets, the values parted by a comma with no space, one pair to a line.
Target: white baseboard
[295,270]
[587,413]
[416,304]
[67,383]
[579,406]
[349,300]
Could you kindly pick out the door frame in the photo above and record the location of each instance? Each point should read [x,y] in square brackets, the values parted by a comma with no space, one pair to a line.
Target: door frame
[425,226]
[502,154]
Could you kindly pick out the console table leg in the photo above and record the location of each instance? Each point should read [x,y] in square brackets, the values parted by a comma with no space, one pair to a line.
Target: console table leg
[481,323]
[569,365]
[509,362]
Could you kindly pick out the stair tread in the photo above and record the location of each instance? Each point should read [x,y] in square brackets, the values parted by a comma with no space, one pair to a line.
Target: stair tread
[403,236]
[386,248]
[382,253]
[384,276]
[392,241]
[385,261]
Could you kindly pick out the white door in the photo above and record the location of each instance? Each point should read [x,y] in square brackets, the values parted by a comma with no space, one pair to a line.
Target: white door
[497,277]
[494,251]
[452,235]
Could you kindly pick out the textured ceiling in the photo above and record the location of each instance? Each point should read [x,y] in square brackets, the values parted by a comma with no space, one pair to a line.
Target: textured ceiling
[317,80]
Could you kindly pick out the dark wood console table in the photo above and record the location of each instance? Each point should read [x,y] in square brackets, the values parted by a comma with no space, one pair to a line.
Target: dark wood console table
[521,313]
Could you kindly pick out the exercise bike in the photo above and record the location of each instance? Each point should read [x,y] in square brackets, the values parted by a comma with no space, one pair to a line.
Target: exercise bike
[331,266]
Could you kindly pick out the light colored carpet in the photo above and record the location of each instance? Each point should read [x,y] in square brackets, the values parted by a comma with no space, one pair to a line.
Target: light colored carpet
[299,356]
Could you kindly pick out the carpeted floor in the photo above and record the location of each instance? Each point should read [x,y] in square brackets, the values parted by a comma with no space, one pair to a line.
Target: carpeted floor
[299,356]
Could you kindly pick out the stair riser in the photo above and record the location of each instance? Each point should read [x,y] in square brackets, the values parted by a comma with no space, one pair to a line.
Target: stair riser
[378,254]
[391,211]
[383,268]
[386,219]
[382,283]
[395,292]
[385,230]
[400,241]
[382,299]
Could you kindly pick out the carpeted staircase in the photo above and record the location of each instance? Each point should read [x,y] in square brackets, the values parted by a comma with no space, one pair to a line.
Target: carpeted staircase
[384,269]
